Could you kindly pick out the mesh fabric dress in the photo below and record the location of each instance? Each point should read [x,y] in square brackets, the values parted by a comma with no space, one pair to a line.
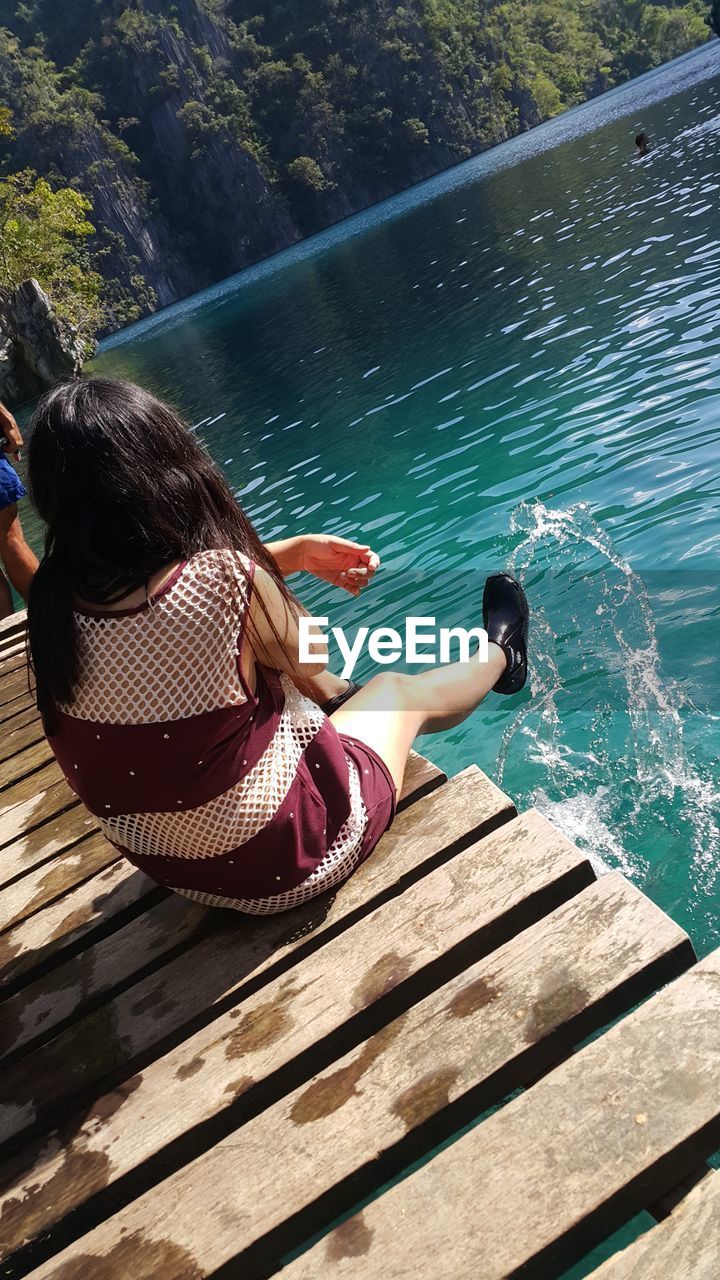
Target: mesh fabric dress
[232,797]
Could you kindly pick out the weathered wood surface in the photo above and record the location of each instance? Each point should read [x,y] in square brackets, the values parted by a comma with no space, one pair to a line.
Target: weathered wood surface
[15,696]
[421,777]
[291,1019]
[613,1126]
[185,1090]
[24,762]
[13,705]
[9,640]
[15,684]
[81,912]
[13,656]
[76,918]
[13,660]
[23,730]
[188,987]
[43,843]
[28,803]
[486,1031]
[46,883]
[67,989]
[686,1244]
[15,622]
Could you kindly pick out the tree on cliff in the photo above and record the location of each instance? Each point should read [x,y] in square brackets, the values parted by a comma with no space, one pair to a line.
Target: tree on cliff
[209,133]
[41,236]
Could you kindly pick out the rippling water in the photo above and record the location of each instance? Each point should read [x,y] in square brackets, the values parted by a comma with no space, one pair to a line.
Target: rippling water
[516,363]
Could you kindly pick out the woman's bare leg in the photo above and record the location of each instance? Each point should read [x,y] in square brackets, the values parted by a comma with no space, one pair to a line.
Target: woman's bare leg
[393,709]
[19,561]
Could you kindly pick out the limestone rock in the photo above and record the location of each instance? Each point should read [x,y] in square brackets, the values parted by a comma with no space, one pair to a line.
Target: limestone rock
[36,347]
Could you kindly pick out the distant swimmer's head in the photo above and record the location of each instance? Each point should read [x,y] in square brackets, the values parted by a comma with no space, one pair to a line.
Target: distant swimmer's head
[642,143]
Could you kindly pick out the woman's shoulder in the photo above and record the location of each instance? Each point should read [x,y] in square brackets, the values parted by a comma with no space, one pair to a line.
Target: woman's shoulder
[221,561]
[222,570]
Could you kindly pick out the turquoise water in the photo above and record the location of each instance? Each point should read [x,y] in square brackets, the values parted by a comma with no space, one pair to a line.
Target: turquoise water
[517,363]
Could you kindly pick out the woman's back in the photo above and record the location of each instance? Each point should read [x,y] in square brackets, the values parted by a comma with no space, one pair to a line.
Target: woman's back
[220,790]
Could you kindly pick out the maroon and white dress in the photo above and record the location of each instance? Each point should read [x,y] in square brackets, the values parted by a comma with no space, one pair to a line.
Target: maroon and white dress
[232,798]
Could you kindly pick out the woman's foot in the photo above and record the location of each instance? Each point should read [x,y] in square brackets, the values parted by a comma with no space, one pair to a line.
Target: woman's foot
[506,615]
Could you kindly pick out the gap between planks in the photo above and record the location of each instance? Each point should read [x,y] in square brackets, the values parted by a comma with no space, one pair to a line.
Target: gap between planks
[421,1076]
[691,1233]
[76,909]
[242,953]
[613,1128]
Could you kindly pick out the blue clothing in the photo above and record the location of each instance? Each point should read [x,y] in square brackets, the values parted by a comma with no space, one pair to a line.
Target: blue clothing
[11,490]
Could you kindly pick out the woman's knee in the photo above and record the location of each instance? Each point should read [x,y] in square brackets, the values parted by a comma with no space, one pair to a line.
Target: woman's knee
[395,690]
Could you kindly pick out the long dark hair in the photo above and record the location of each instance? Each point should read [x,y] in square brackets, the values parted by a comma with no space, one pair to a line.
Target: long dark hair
[124,488]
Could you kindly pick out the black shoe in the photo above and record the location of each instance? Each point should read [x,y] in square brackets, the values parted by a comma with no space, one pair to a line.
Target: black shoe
[340,699]
[505,618]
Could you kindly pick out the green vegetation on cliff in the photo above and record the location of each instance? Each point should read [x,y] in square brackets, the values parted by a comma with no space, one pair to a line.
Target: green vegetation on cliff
[41,235]
[208,133]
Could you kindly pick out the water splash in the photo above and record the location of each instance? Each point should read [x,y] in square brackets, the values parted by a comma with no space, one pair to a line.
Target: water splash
[605,727]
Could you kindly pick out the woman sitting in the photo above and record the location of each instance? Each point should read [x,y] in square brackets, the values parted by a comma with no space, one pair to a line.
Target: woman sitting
[165,647]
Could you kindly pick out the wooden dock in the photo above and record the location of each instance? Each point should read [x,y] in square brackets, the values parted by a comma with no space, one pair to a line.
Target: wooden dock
[188,1092]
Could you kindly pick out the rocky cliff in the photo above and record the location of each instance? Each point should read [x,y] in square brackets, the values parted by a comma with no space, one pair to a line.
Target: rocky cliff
[36,348]
[210,133]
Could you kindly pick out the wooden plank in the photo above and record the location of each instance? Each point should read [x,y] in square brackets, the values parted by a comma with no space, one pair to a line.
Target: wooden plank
[15,622]
[15,680]
[22,730]
[11,630]
[12,646]
[561,1167]
[81,911]
[11,704]
[61,994]
[242,955]
[687,1243]
[28,789]
[22,706]
[12,662]
[46,883]
[25,762]
[42,940]
[11,636]
[421,777]
[32,801]
[14,686]
[45,842]
[11,650]
[464,1043]
[14,668]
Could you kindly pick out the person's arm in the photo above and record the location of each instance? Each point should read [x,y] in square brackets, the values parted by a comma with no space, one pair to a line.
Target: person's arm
[273,634]
[9,428]
[287,554]
[342,563]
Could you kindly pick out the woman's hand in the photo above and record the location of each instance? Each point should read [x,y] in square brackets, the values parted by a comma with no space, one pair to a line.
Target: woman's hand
[350,565]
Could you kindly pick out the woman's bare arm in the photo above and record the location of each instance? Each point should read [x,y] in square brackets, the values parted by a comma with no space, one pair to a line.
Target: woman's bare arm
[274,636]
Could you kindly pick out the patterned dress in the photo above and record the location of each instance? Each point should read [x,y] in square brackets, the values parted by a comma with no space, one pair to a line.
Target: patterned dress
[231,797]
